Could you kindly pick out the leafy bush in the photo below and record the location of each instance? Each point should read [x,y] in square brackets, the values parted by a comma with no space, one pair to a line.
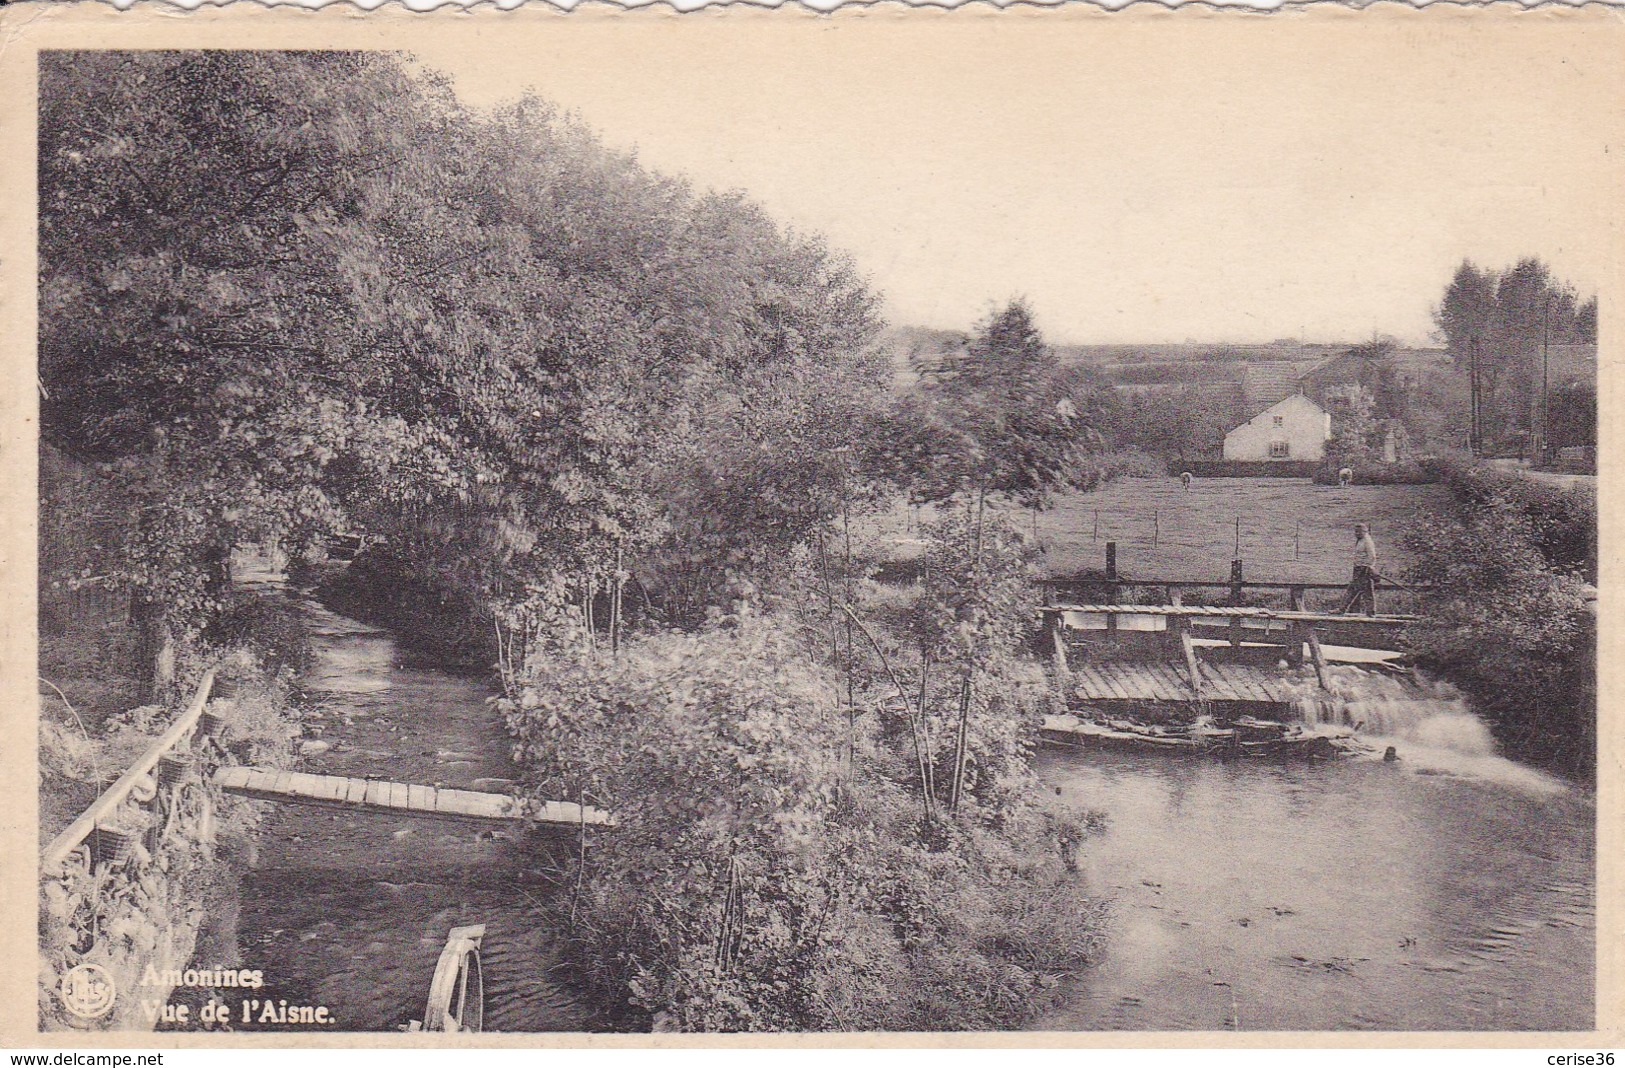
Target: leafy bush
[770,868]
[1562,522]
[270,630]
[1097,469]
[1518,635]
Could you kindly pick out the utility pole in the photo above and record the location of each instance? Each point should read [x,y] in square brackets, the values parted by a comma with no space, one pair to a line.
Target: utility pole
[1545,384]
[1473,442]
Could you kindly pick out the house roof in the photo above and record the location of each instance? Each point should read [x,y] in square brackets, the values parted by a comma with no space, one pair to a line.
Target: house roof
[1264,384]
[1283,402]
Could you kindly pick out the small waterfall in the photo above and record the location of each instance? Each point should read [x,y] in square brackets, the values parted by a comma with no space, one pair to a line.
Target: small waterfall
[1427,721]
[1397,705]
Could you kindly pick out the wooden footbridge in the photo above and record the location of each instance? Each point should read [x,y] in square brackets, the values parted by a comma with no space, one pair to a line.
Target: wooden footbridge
[1238,626]
[400,798]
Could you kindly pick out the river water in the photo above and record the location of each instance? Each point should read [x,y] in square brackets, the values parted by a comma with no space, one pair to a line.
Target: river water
[350,909]
[1451,889]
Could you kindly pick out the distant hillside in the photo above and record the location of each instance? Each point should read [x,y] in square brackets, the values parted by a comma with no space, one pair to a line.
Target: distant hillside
[1247,376]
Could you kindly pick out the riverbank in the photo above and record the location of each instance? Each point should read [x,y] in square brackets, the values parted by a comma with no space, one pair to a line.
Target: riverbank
[1513,564]
[158,878]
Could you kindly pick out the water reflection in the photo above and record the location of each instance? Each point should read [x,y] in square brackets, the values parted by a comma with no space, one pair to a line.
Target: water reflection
[1452,890]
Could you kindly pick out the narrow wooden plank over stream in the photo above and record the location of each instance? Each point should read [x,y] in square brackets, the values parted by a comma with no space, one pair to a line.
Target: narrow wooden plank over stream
[397,797]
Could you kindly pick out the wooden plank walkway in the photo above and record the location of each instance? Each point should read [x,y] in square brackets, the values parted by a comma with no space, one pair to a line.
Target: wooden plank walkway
[1107,681]
[409,798]
[1224,612]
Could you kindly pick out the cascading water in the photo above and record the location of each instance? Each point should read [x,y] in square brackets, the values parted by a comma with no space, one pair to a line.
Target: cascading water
[1378,700]
[1428,722]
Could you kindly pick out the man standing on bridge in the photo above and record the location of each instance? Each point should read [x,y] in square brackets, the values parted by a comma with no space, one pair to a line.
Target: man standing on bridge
[1363,587]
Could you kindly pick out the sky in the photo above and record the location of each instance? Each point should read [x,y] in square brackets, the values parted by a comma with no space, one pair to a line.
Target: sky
[1232,181]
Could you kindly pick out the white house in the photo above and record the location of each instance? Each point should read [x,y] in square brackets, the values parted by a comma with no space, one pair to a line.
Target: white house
[1292,429]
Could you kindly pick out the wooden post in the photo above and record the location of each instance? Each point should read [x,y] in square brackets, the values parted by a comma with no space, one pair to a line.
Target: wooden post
[1235,600]
[1238,535]
[1318,657]
[1191,667]
[1111,585]
[1156,527]
[1096,535]
[1295,598]
[1294,643]
[1057,630]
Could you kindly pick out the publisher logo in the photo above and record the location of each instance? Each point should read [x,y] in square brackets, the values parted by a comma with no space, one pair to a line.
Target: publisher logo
[88,991]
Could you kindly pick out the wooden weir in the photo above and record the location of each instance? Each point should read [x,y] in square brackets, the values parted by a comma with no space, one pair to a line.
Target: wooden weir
[1150,659]
[1124,630]
[377,795]
[1170,683]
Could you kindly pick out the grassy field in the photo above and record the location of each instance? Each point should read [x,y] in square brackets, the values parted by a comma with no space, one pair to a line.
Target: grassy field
[1290,529]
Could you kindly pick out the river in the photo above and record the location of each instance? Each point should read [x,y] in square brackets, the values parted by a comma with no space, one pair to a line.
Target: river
[350,910]
[1451,889]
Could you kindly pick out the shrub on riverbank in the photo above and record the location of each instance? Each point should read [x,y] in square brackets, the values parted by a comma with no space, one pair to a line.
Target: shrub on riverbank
[1518,634]
[771,868]
[1562,521]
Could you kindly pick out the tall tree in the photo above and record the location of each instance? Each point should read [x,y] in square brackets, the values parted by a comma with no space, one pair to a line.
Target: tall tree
[1008,401]
[1500,321]
[287,292]
[194,338]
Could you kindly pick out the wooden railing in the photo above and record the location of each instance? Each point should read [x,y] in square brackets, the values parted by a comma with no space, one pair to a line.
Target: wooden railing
[1237,584]
[114,796]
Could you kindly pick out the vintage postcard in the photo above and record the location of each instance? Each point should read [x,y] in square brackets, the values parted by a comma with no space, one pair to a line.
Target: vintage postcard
[1044,523]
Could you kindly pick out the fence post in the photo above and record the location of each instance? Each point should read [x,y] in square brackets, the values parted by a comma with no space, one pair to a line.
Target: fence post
[1235,599]
[1156,527]
[1111,583]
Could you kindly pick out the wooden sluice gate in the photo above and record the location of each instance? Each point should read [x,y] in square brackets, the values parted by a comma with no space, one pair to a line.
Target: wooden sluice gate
[376,795]
[1226,679]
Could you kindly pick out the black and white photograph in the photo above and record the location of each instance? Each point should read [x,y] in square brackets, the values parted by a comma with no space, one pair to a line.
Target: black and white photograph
[898,521]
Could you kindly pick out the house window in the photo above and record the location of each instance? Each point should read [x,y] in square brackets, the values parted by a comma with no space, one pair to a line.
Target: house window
[1279,420]
[1279,450]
